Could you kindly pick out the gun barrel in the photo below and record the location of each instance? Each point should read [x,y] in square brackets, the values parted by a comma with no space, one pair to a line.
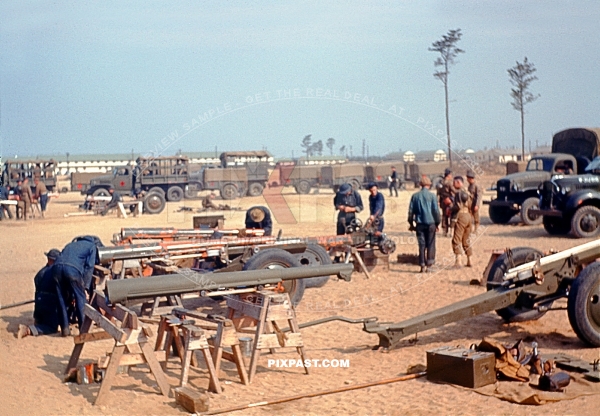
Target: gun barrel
[188,281]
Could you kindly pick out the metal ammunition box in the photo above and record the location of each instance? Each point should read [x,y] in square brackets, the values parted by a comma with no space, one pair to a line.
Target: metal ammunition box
[461,366]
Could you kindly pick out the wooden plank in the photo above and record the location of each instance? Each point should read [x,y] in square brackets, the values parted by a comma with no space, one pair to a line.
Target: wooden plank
[155,368]
[87,324]
[245,308]
[111,372]
[267,341]
[91,336]
[191,400]
[100,320]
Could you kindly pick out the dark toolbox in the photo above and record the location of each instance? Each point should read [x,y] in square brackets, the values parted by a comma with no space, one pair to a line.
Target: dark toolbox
[468,368]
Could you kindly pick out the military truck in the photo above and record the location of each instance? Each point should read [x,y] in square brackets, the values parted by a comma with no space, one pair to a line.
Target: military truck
[230,182]
[433,170]
[572,150]
[19,169]
[571,203]
[380,173]
[80,181]
[168,176]
[336,175]
[256,164]
[302,177]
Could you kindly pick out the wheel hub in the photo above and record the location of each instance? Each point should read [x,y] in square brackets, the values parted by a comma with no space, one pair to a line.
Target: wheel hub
[589,223]
[593,306]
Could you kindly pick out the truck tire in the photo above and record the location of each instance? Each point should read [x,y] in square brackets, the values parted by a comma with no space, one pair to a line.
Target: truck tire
[276,258]
[101,192]
[228,191]
[303,187]
[192,190]
[255,189]
[64,190]
[556,226]
[156,190]
[314,255]
[154,203]
[586,222]
[174,194]
[583,305]
[520,255]
[501,215]
[530,219]
[355,184]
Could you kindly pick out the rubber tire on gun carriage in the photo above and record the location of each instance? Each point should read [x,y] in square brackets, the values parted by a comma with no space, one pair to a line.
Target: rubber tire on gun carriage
[520,255]
[314,255]
[154,203]
[528,219]
[583,305]
[275,258]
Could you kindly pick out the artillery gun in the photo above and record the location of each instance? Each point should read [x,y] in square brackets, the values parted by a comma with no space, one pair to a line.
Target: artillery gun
[521,285]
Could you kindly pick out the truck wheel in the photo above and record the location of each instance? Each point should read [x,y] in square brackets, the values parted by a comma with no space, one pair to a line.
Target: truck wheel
[516,312]
[303,187]
[156,190]
[355,185]
[255,189]
[229,191]
[501,215]
[101,192]
[586,222]
[154,203]
[174,194]
[530,219]
[64,190]
[556,226]
[314,255]
[583,305]
[276,258]
[192,190]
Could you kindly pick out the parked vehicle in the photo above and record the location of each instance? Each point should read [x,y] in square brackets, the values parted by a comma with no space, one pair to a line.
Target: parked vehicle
[17,169]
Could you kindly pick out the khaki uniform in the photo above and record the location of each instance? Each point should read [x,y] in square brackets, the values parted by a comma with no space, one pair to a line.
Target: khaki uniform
[476,192]
[26,200]
[461,217]
[446,190]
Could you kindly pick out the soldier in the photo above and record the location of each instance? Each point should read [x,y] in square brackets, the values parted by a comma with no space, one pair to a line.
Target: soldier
[476,192]
[461,219]
[259,217]
[41,194]
[25,198]
[394,181]
[348,202]
[445,194]
[115,198]
[4,196]
[207,202]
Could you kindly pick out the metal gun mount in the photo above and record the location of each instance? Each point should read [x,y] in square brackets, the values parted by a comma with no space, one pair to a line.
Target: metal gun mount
[212,284]
[521,285]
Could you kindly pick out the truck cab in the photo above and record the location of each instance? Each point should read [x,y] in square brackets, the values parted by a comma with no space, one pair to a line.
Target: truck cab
[121,180]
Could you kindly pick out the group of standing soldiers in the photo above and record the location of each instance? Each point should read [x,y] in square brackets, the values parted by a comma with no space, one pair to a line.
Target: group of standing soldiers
[460,204]
[25,198]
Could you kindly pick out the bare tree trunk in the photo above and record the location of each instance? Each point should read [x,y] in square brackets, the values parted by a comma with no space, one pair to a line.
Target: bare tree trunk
[448,118]
[522,134]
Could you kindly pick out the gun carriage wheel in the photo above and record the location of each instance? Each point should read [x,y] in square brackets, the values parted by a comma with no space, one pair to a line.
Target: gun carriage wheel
[314,255]
[154,203]
[275,258]
[520,311]
[583,305]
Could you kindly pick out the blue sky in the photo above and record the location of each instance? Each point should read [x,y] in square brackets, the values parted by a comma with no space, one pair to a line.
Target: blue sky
[106,77]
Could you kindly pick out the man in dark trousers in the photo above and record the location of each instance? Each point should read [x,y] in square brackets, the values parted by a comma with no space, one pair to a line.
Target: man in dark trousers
[423,210]
[72,274]
[348,202]
[446,193]
[259,217]
[394,181]
[4,209]
[114,201]
[45,312]
[376,206]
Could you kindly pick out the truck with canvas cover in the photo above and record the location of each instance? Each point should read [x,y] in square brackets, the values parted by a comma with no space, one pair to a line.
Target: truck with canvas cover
[433,170]
[168,176]
[337,175]
[302,177]
[17,169]
[379,173]
[256,163]
[572,150]
[80,181]
[231,182]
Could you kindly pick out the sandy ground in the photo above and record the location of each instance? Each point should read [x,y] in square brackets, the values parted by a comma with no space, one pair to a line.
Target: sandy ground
[31,369]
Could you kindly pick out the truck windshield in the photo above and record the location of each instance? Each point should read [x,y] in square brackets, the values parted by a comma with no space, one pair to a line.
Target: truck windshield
[540,164]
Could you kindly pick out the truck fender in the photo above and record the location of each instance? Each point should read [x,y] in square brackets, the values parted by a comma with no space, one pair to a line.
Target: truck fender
[579,198]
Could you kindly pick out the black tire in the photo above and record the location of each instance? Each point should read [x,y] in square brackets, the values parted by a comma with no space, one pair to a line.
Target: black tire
[314,255]
[520,255]
[154,203]
[156,190]
[174,194]
[101,192]
[556,226]
[303,187]
[583,305]
[64,190]
[501,215]
[273,258]
[586,222]
[229,191]
[192,190]
[530,219]
[255,189]
[355,185]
